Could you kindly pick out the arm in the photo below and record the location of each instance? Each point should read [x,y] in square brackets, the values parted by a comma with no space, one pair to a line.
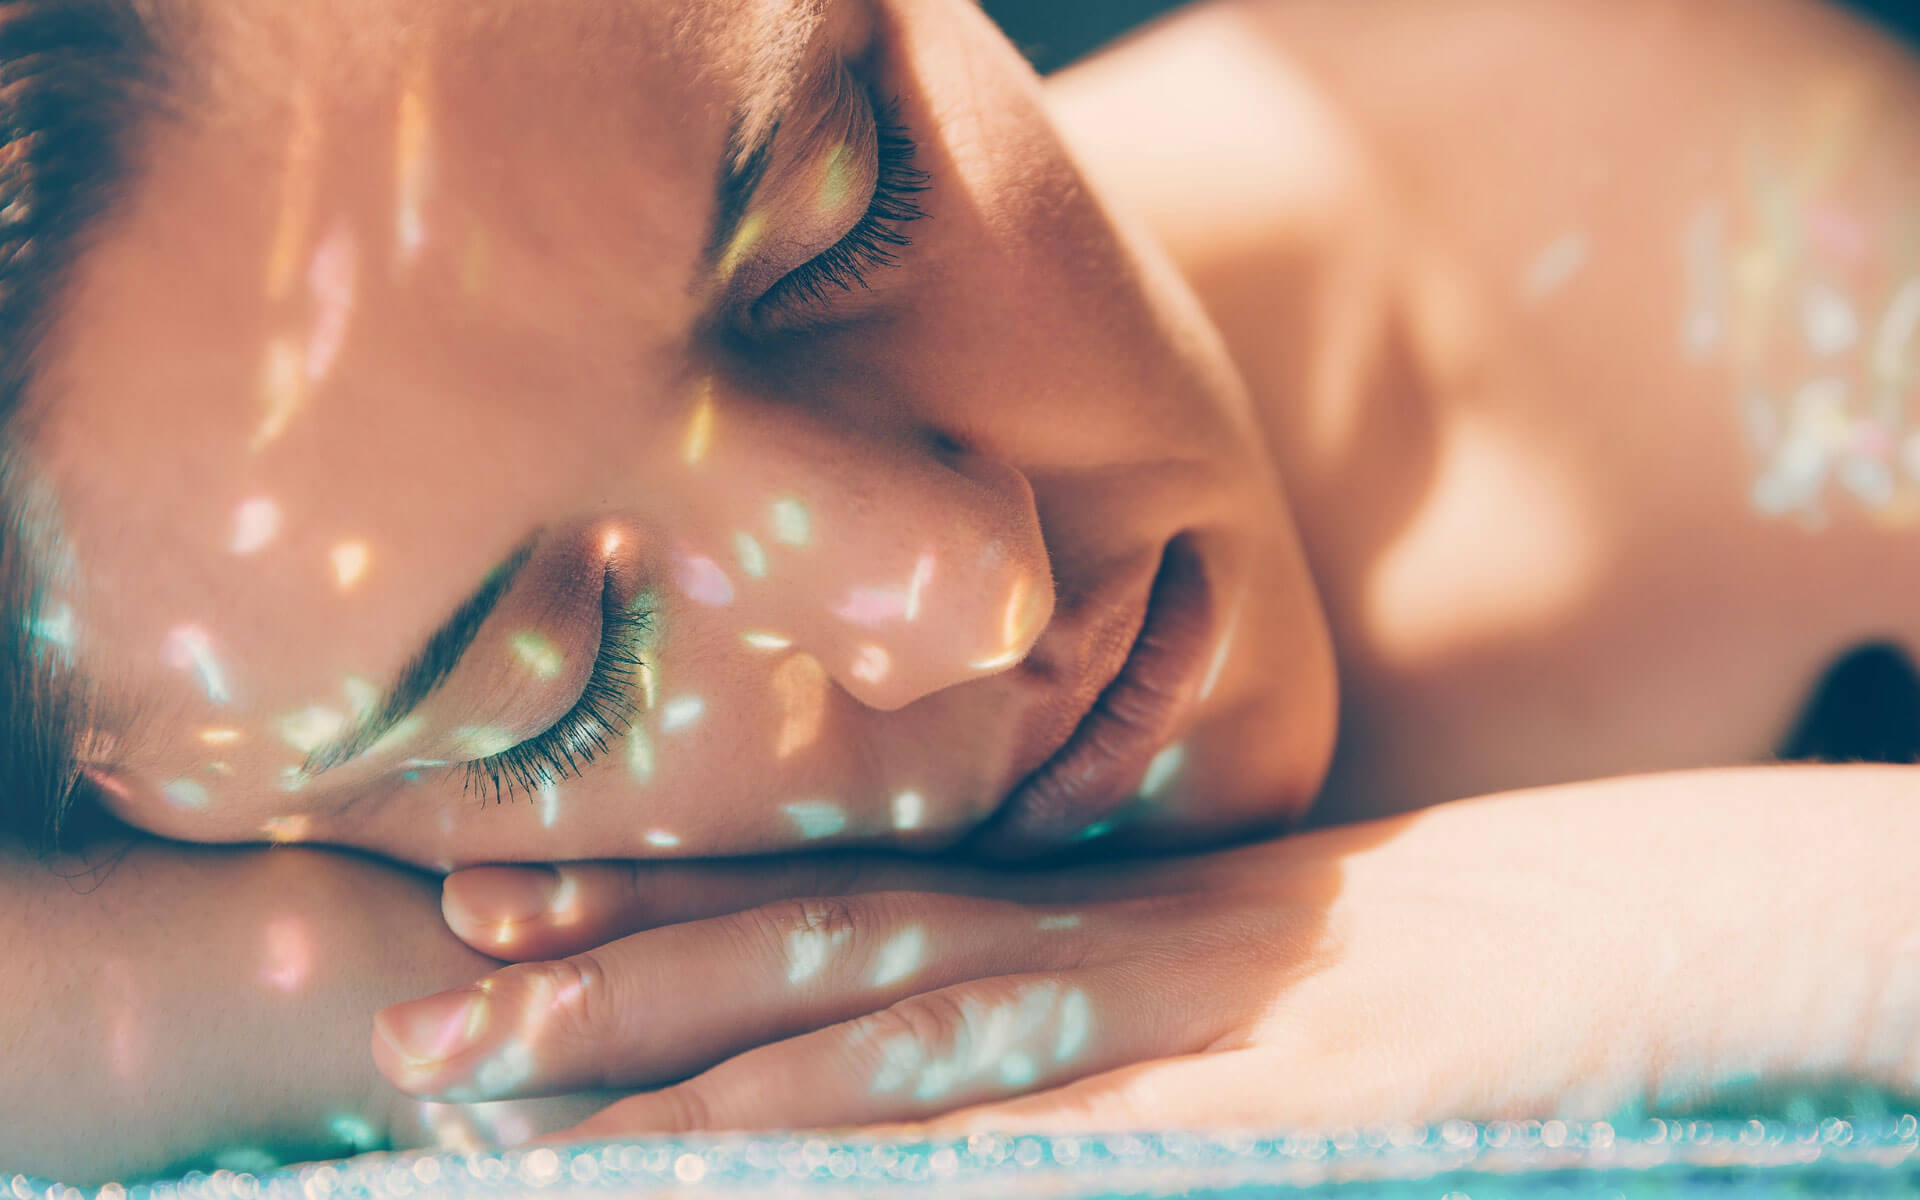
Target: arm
[1582,951]
[1503,277]
[186,999]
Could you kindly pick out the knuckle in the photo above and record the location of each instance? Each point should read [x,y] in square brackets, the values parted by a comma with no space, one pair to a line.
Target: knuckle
[801,935]
[570,1003]
[682,1109]
[931,1020]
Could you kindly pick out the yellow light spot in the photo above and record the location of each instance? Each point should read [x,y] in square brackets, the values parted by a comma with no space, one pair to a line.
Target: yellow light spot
[538,654]
[219,737]
[283,389]
[699,439]
[1011,619]
[312,727]
[752,229]
[800,688]
[412,127]
[296,197]
[610,543]
[281,830]
[350,562]
[649,685]
[639,755]
[762,640]
[836,182]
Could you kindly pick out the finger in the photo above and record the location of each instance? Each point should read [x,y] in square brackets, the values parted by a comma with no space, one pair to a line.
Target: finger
[662,1004]
[927,1054]
[524,913]
[1185,1091]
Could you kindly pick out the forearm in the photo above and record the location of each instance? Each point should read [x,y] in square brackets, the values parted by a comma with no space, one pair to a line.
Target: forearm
[185,999]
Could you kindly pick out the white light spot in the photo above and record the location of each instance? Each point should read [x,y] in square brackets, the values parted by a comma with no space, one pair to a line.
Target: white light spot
[681,713]
[187,794]
[791,523]
[350,560]
[1828,320]
[549,803]
[752,557]
[761,640]
[1076,1020]
[872,664]
[312,727]
[1162,769]
[808,950]
[900,957]
[1057,922]
[255,524]
[661,839]
[909,809]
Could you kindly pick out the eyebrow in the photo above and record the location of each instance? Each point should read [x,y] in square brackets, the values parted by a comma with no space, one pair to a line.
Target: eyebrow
[443,651]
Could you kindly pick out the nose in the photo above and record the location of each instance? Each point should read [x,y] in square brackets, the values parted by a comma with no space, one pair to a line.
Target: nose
[903,566]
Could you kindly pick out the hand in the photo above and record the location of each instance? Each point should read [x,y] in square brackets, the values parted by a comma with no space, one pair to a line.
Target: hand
[1502,957]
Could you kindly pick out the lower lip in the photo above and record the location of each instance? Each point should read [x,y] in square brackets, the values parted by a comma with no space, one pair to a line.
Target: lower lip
[1094,773]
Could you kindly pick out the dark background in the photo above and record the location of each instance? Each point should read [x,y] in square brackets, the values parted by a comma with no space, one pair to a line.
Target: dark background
[1055,32]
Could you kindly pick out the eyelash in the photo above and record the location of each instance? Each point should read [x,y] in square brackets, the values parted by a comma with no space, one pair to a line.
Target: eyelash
[603,713]
[872,244]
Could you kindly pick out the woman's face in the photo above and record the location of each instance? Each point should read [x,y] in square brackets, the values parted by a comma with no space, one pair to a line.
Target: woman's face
[449,393]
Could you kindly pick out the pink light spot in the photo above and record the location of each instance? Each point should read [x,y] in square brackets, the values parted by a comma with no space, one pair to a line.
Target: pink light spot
[255,524]
[871,606]
[703,581]
[1837,232]
[333,279]
[289,954]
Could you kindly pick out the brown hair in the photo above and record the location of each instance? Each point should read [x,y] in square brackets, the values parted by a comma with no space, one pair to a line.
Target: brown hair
[74,79]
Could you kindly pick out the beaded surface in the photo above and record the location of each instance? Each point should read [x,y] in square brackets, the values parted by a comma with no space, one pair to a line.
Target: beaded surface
[1453,1161]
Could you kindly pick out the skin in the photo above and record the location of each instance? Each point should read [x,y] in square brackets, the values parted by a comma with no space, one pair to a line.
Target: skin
[1031,427]
[1477,650]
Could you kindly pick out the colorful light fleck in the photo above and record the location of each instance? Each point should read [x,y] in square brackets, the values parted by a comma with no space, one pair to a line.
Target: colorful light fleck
[682,713]
[1024,605]
[283,389]
[761,640]
[1223,648]
[792,525]
[255,524]
[413,126]
[294,779]
[872,664]
[917,586]
[548,803]
[660,839]
[800,690]
[481,741]
[349,1129]
[871,606]
[1058,922]
[752,229]
[350,561]
[1161,771]
[1554,266]
[1827,320]
[333,281]
[816,818]
[297,177]
[808,951]
[312,727]
[284,830]
[900,957]
[537,653]
[189,647]
[698,440]
[57,628]
[220,737]
[639,755]
[1076,1022]
[751,554]
[188,794]
[836,180]
[396,738]
[649,684]
[703,581]
[909,810]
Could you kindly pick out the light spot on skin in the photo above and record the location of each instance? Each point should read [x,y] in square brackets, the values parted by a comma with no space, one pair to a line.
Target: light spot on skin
[504,1071]
[792,526]
[287,829]
[283,389]
[752,556]
[333,280]
[412,129]
[816,818]
[661,839]
[1223,648]
[549,803]
[900,957]
[836,180]
[255,524]
[1076,1022]
[1827,320]
[698,442]
[752,228]
[703,581]
[639,755]
[1058,922]
[1161,770]
[1554,266]
[57,628]
[223,770]
[649,684]
[761,640]
[1025,606]
[538,654]
[682,713]
[481,741]
[872,664]
[1098,829]
[293,780]
[1017,1070]
[296,196]
[868,607]
[289,956]
[187,794]
[350,561]
[909,809]
[610,543]
[397,737]
[354,1131]
[808,951]
[219,737]
[900,1057]
[800,689]
[917,586]
[312,727]
[362,696]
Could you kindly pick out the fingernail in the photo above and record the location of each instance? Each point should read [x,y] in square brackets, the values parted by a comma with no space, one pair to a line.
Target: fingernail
[424,1032]
[482,898]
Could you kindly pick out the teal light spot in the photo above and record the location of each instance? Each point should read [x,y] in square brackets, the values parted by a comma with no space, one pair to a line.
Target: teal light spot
[1076,1020]
[1017,1070]
[246,1160]
[681,713]
[1161,771]
[753,559]
[816,818]
[900,957]
[187,793]
[1099,829]
[356,1131]
[538,654]
[791,522]
[1061,921]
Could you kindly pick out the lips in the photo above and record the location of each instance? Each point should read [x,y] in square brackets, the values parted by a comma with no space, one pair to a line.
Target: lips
[1131,721]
